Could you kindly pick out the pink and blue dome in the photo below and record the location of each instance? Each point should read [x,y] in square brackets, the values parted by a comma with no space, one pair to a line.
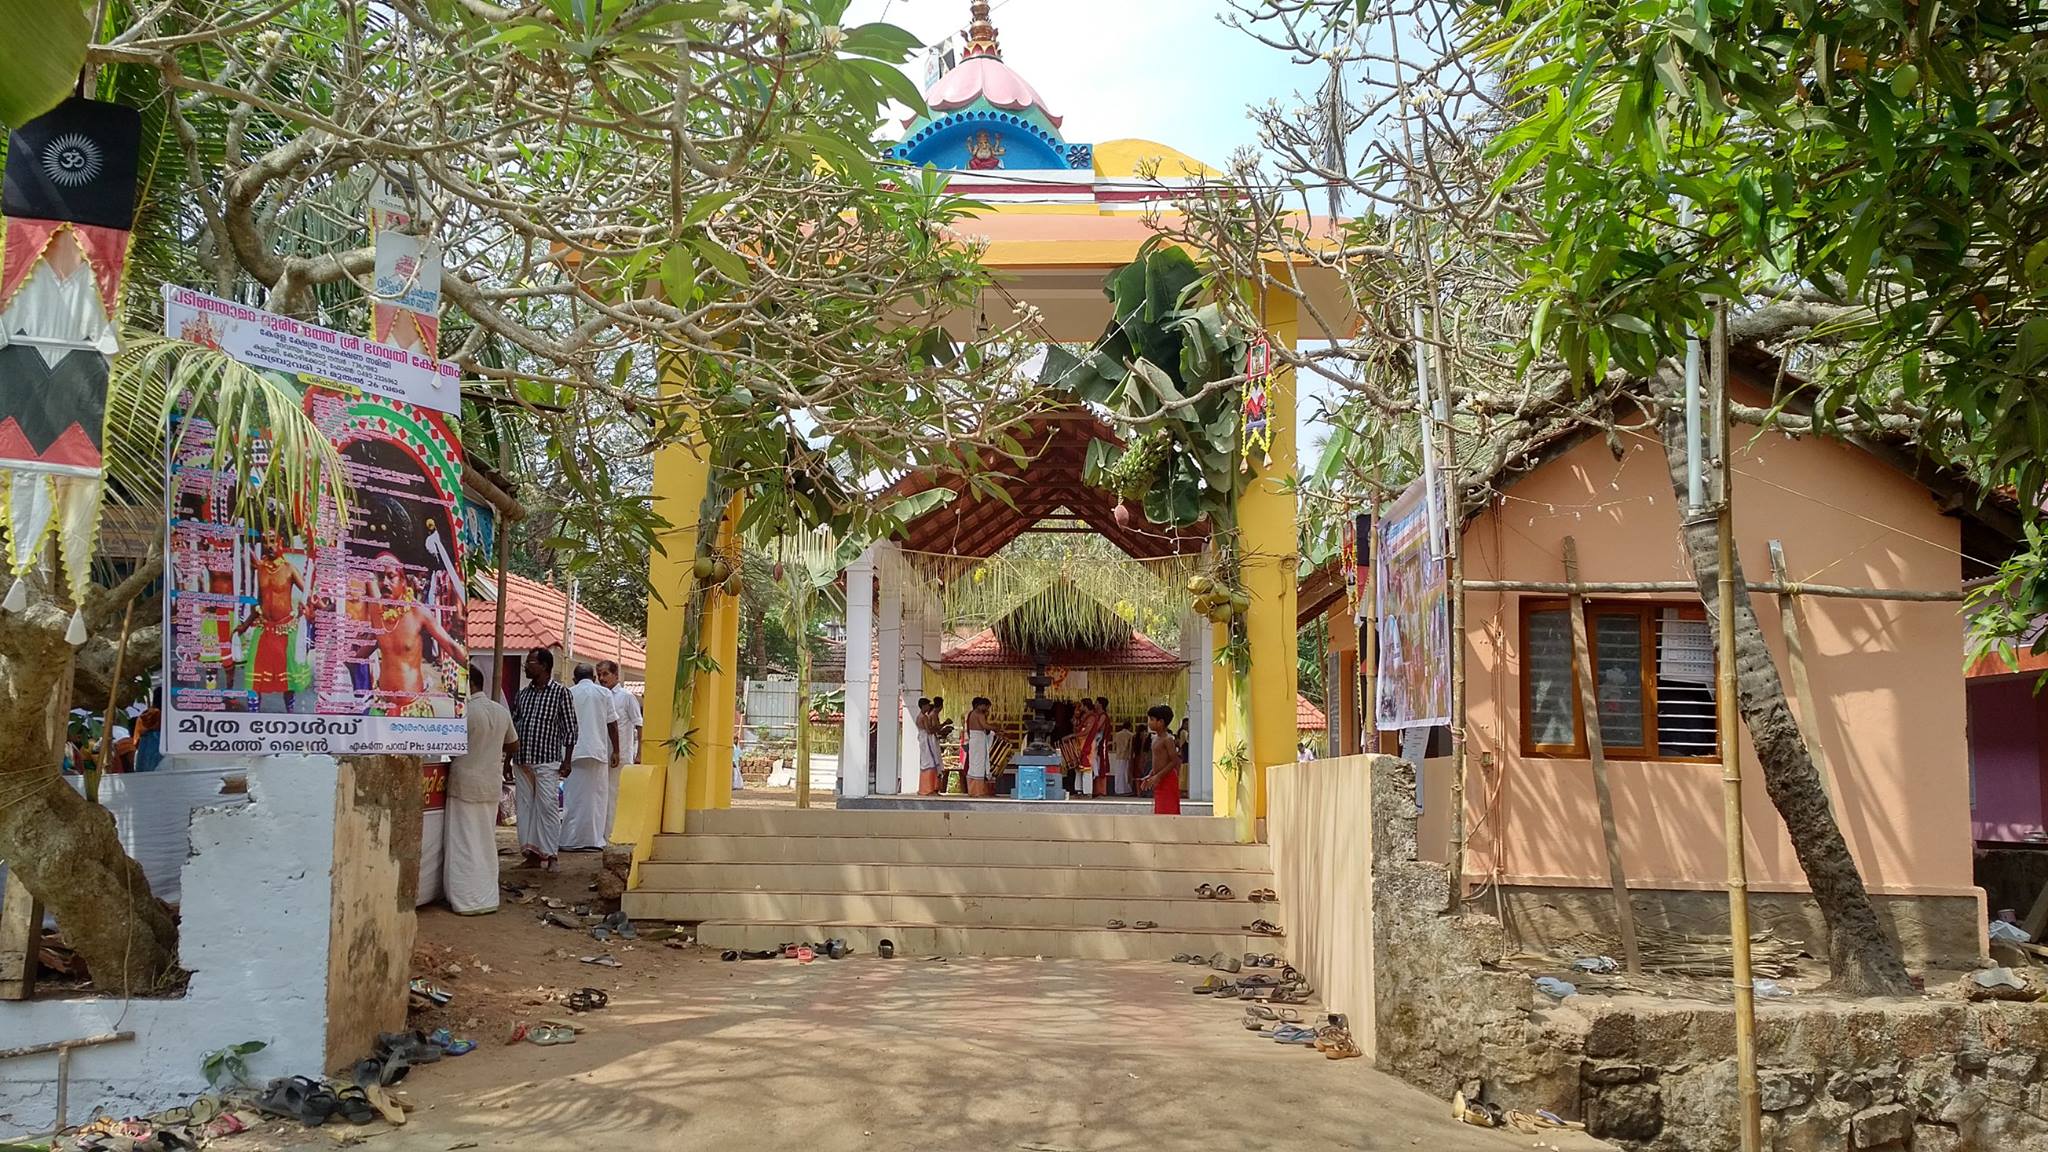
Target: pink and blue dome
[984,116]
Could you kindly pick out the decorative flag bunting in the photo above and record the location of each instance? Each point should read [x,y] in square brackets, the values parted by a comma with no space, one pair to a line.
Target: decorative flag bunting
[66,208]
[1258,372]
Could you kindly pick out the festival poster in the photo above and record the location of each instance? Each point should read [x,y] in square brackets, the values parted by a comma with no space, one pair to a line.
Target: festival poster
[318,629]
[1414,609]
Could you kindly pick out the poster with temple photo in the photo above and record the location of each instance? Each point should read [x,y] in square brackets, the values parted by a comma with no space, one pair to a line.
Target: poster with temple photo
[335,628]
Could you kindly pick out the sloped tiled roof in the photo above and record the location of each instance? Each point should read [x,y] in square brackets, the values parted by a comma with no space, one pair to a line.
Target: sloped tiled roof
[1308,717]
[533,619]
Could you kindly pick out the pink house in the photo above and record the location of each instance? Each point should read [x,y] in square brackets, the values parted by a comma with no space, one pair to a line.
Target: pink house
[1887,694]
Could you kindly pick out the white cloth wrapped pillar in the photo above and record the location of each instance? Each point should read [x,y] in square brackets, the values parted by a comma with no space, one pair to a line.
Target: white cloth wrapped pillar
[889,675]
[1197,644]
[908,745]
[860,654]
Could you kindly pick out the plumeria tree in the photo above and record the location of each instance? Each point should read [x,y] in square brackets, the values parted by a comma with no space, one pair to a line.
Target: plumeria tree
[660,223]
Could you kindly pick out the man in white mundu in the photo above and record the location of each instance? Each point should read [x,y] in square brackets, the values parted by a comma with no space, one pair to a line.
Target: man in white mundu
[626,714]
[586,794]
[980,740]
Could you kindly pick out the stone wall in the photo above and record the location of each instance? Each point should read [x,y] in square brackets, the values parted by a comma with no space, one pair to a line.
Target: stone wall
[1923,1075]
[254,936]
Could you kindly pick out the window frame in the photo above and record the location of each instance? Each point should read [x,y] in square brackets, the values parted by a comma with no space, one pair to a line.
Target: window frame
[1645,613]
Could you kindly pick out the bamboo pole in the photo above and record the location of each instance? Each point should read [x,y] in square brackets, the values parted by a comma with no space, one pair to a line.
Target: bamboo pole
[1751,1114]
[504,543]
[1789,618]
[1776,588]
[114,693]
[1596,748]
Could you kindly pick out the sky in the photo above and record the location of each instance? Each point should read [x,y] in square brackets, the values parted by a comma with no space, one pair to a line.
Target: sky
[1163,70]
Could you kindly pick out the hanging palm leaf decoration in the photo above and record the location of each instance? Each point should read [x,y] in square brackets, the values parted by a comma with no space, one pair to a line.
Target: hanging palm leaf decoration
[1063,618]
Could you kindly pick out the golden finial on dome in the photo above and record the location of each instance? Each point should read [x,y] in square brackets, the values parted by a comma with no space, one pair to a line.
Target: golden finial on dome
[981,33]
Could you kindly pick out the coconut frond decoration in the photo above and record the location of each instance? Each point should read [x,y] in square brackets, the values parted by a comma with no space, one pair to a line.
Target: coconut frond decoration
[975,592]
[1063,618]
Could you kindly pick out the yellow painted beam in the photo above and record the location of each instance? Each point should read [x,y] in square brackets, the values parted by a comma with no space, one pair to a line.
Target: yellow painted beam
[1266,528]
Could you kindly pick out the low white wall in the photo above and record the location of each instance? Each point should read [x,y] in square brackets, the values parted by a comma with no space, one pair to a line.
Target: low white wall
[257,899]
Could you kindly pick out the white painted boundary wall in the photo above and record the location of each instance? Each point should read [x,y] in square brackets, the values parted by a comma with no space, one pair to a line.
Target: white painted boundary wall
[258,896]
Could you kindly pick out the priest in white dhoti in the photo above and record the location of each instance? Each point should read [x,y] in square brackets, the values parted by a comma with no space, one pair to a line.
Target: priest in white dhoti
[469,852]
[586,794]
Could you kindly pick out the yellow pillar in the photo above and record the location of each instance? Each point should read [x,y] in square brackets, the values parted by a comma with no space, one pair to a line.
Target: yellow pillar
[710,783]
[1266,528]
[681,473]
[1222,796]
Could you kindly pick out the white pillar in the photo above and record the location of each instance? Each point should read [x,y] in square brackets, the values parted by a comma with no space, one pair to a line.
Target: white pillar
[1197,642]
[860,653]
[913,686]
[889,690]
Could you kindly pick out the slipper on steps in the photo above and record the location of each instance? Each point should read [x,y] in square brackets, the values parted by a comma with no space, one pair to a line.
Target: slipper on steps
[1115,925]
[1205,892]
[1145,925]
[1264,928]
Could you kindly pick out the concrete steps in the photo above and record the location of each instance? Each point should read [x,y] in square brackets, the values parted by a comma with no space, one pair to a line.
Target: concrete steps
[971,883]
[913,940]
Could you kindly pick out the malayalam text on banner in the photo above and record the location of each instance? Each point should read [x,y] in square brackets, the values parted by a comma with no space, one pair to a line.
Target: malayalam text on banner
[315,630]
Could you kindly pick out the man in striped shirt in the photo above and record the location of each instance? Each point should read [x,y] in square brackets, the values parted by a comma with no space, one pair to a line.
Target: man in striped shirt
[544,715]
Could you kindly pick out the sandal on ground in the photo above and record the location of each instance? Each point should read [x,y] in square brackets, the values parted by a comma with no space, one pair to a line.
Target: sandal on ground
[1205,892]
[1115,925]
[886,949]
[353,1105]
[1295,1034]
[1292,994]
[1209,986]
[1289,974]
[548,1035]
[1264,928]
[1145,925]
[586,1000]
[1257,1016]
[1223,892]
[297,1098]
[1180,958]
[729,955]
[411,1047]
[1336,1043]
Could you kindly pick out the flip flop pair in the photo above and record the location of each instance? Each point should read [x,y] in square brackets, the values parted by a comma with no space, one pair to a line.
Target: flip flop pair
[1295,1034]
[1258,1016]
[549,1035]
[1264,896]
[1213,892]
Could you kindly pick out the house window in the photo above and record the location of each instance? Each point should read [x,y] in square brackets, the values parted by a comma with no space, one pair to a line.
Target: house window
[1653,673]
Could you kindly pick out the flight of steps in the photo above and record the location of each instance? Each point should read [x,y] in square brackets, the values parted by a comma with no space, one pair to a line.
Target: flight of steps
[969,883]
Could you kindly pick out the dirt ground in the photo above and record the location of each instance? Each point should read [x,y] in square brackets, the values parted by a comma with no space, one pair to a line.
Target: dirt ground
[1039,1056]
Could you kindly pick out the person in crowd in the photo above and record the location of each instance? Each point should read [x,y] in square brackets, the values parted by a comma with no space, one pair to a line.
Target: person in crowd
[586,811]
[1103,777]
[544,716]
[981,738]
[626,714]
[1084,748]
[1121,745]
[469,853]
[1164,776]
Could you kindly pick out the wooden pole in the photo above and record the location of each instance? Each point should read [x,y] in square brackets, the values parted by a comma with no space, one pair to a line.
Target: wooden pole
[1789,617]
[1773,588]
[1725,710]
[21,932]
[1589,707]
[114,691]
[504,543]
[1454,521]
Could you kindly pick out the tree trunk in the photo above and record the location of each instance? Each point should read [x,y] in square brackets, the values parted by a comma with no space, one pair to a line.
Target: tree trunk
[63,847]
[1863,959]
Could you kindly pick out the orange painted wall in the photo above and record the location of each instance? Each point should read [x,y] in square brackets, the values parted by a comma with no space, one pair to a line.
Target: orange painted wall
[1887,677]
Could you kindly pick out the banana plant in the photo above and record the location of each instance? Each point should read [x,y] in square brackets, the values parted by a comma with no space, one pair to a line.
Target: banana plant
[1167,368]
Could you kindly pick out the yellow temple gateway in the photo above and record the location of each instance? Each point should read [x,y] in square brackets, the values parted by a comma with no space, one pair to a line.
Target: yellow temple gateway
[1061,217]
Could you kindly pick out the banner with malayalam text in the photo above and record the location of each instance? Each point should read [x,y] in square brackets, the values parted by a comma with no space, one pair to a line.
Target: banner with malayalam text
[1414,609]
[314,631]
